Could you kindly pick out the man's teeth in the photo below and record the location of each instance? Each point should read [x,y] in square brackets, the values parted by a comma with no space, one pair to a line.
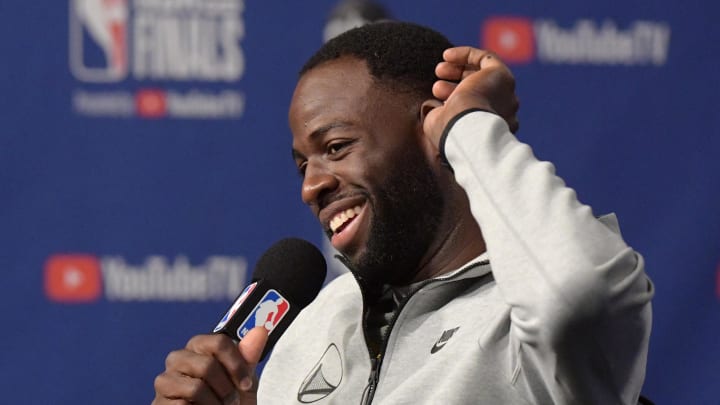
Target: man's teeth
[341,218]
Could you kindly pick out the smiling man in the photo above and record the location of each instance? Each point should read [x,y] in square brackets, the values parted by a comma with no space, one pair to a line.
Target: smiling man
[476,274]
[365,174]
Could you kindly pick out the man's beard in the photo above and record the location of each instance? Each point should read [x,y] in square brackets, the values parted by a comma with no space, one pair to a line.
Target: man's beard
[407,210]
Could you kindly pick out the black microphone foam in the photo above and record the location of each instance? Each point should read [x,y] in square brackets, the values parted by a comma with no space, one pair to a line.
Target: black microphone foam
[296,267]
[287,277]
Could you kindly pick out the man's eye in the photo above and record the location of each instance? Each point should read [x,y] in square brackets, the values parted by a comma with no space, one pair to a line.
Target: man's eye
[336,147]
[301,169]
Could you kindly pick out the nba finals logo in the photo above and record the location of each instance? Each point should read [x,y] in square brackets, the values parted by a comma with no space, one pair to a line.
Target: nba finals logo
[98,40]
[119,46]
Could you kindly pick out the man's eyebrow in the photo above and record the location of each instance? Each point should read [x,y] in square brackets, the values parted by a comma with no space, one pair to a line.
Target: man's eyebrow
[320,131]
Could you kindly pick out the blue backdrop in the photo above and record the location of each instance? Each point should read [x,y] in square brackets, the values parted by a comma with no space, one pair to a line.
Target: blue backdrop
[145,165]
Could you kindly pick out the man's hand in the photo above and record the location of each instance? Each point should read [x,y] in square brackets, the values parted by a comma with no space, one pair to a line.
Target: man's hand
[470,78]
[211,369]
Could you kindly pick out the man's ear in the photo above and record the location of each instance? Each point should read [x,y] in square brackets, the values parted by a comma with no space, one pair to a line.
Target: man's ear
[427,106]
[431,150]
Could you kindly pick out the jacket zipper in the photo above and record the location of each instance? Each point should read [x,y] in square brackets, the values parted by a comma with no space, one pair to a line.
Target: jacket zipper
[374,378]
[376,362]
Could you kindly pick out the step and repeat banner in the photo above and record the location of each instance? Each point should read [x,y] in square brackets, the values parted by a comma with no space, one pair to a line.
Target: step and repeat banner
[145,166]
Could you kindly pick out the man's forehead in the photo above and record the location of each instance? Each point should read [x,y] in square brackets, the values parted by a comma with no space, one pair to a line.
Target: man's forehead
[331,86]
[342,70]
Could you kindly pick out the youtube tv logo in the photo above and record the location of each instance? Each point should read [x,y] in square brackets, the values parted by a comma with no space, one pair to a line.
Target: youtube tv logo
[73,278]
[511,38]
[523,40]
[88,278]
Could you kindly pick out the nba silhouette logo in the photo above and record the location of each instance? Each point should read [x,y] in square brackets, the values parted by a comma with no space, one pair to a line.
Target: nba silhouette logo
[98,40]
[239,301]
[267,313]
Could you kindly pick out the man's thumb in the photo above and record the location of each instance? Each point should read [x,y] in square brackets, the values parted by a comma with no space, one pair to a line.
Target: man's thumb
[252,345]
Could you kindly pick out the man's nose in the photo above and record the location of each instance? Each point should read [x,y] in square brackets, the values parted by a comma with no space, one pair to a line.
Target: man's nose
[318,180]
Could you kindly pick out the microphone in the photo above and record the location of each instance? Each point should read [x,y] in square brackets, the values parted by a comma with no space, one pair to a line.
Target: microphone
[287,277]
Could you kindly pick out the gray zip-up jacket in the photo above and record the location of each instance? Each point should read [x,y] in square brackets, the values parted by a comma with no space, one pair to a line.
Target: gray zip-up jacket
[556,312]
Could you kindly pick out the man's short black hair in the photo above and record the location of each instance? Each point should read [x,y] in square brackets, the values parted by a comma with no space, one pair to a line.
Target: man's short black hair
[399,55]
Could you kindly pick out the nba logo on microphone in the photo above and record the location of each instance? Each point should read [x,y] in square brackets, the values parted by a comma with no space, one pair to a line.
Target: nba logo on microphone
[239,301]
[267,313]
[98,40]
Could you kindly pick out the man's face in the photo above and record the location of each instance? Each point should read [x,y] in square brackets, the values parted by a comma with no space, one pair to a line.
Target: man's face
[365,175]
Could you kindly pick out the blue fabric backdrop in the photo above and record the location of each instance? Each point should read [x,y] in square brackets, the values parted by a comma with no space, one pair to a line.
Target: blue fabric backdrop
[145,165]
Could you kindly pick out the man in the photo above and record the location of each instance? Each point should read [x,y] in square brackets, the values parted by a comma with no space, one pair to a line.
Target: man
[476,275]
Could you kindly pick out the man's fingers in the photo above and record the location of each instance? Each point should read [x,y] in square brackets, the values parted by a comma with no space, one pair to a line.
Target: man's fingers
[490,60]
[471,77]
[465,55]
[178,388]
[210,370]
[449,71]
[442,89]
[462,61]
[203,367]
[224,350]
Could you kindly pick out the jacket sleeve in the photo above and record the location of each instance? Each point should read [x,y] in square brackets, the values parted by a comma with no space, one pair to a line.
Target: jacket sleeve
[578,295]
